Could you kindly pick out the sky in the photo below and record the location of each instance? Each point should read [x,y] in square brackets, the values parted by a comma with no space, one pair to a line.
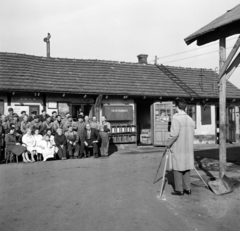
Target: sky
[117,30]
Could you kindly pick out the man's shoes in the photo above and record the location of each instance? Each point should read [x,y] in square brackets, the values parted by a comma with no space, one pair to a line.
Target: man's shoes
[177,193]
[188,192]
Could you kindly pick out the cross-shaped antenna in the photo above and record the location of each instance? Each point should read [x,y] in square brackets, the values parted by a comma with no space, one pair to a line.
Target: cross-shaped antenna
[201,83]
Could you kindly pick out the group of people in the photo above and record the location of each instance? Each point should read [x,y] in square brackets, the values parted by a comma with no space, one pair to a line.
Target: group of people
[37,137]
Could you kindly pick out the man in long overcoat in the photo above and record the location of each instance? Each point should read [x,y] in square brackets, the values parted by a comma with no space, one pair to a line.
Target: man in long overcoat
[181,139]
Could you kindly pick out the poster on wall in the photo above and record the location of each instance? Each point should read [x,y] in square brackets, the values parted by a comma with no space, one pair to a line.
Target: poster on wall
[118,113]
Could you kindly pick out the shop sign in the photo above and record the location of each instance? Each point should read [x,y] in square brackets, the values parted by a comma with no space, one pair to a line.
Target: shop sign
[118,113]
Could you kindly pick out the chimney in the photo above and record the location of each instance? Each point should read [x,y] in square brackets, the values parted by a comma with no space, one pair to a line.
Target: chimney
[47,41]
[142,59]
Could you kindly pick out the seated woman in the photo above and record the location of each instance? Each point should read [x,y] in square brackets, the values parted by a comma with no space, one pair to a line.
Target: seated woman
[48,148]
[29,142]
[14,147]
[61,143]
[49,132]
[38,138]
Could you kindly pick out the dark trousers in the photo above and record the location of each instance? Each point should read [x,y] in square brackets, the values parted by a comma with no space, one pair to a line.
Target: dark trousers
[62,152]
[105,143]
[82,148]
[94,146]
[72,148]
[182,180]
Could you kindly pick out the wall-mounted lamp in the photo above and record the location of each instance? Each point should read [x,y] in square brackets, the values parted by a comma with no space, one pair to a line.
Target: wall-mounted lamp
[144,97]
[234,100]
[192,99]
[85,96]
[63,95]
[160,97]
[38,94]
[13,93]
[206,99]
[125,96]
[35,94]
[106,96]
[177,98]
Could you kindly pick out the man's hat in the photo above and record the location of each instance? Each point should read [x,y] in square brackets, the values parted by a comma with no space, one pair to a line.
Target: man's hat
[15,115]
[23,112]
[47,116]
[54,112]
[36,117]
[80,116]
[10,109]
[34,112]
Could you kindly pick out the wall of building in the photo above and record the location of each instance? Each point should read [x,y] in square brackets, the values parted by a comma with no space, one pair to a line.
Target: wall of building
[22,102]
[205,133]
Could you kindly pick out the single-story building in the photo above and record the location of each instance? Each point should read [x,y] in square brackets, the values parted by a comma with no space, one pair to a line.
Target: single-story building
[137,98]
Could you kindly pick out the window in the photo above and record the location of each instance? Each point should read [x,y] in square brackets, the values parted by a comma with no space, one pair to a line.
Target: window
[206,115]
[191,111]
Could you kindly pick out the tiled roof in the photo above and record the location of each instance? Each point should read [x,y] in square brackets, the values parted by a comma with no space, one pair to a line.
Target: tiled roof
[226,25]
[57,75]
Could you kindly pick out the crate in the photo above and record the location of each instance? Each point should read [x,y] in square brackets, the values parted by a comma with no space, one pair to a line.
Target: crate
[145,139]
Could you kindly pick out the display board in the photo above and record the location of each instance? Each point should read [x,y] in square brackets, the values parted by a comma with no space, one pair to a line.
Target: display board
[118,113]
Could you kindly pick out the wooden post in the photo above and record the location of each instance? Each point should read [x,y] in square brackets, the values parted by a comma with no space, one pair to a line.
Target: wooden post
[222,110]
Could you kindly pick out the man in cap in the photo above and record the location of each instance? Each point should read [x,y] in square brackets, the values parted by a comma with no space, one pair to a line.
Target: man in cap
[43,116]
[72,142]
[10,115]
[32,116]
[23,113]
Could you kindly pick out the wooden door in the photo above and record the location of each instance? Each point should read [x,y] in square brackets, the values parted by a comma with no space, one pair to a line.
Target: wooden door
[162,113]
[34,108]
[231,124]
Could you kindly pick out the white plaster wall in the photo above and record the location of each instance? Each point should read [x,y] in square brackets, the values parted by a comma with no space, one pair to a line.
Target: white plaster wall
[26,99]
[205,129]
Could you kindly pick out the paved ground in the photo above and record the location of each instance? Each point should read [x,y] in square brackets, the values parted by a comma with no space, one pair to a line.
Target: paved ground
[115,194]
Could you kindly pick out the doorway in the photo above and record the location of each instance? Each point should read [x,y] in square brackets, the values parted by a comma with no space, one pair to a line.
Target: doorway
[162,117]
[231,126]
[85,108]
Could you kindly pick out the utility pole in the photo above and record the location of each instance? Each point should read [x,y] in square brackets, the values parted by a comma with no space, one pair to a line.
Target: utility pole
[222,109]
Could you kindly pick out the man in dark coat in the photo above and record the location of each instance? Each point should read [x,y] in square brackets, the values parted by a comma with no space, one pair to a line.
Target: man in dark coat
[80,127]
[91,138]
[43,116]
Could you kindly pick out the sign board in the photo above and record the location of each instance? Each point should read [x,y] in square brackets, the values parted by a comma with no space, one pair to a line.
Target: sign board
[118,113]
